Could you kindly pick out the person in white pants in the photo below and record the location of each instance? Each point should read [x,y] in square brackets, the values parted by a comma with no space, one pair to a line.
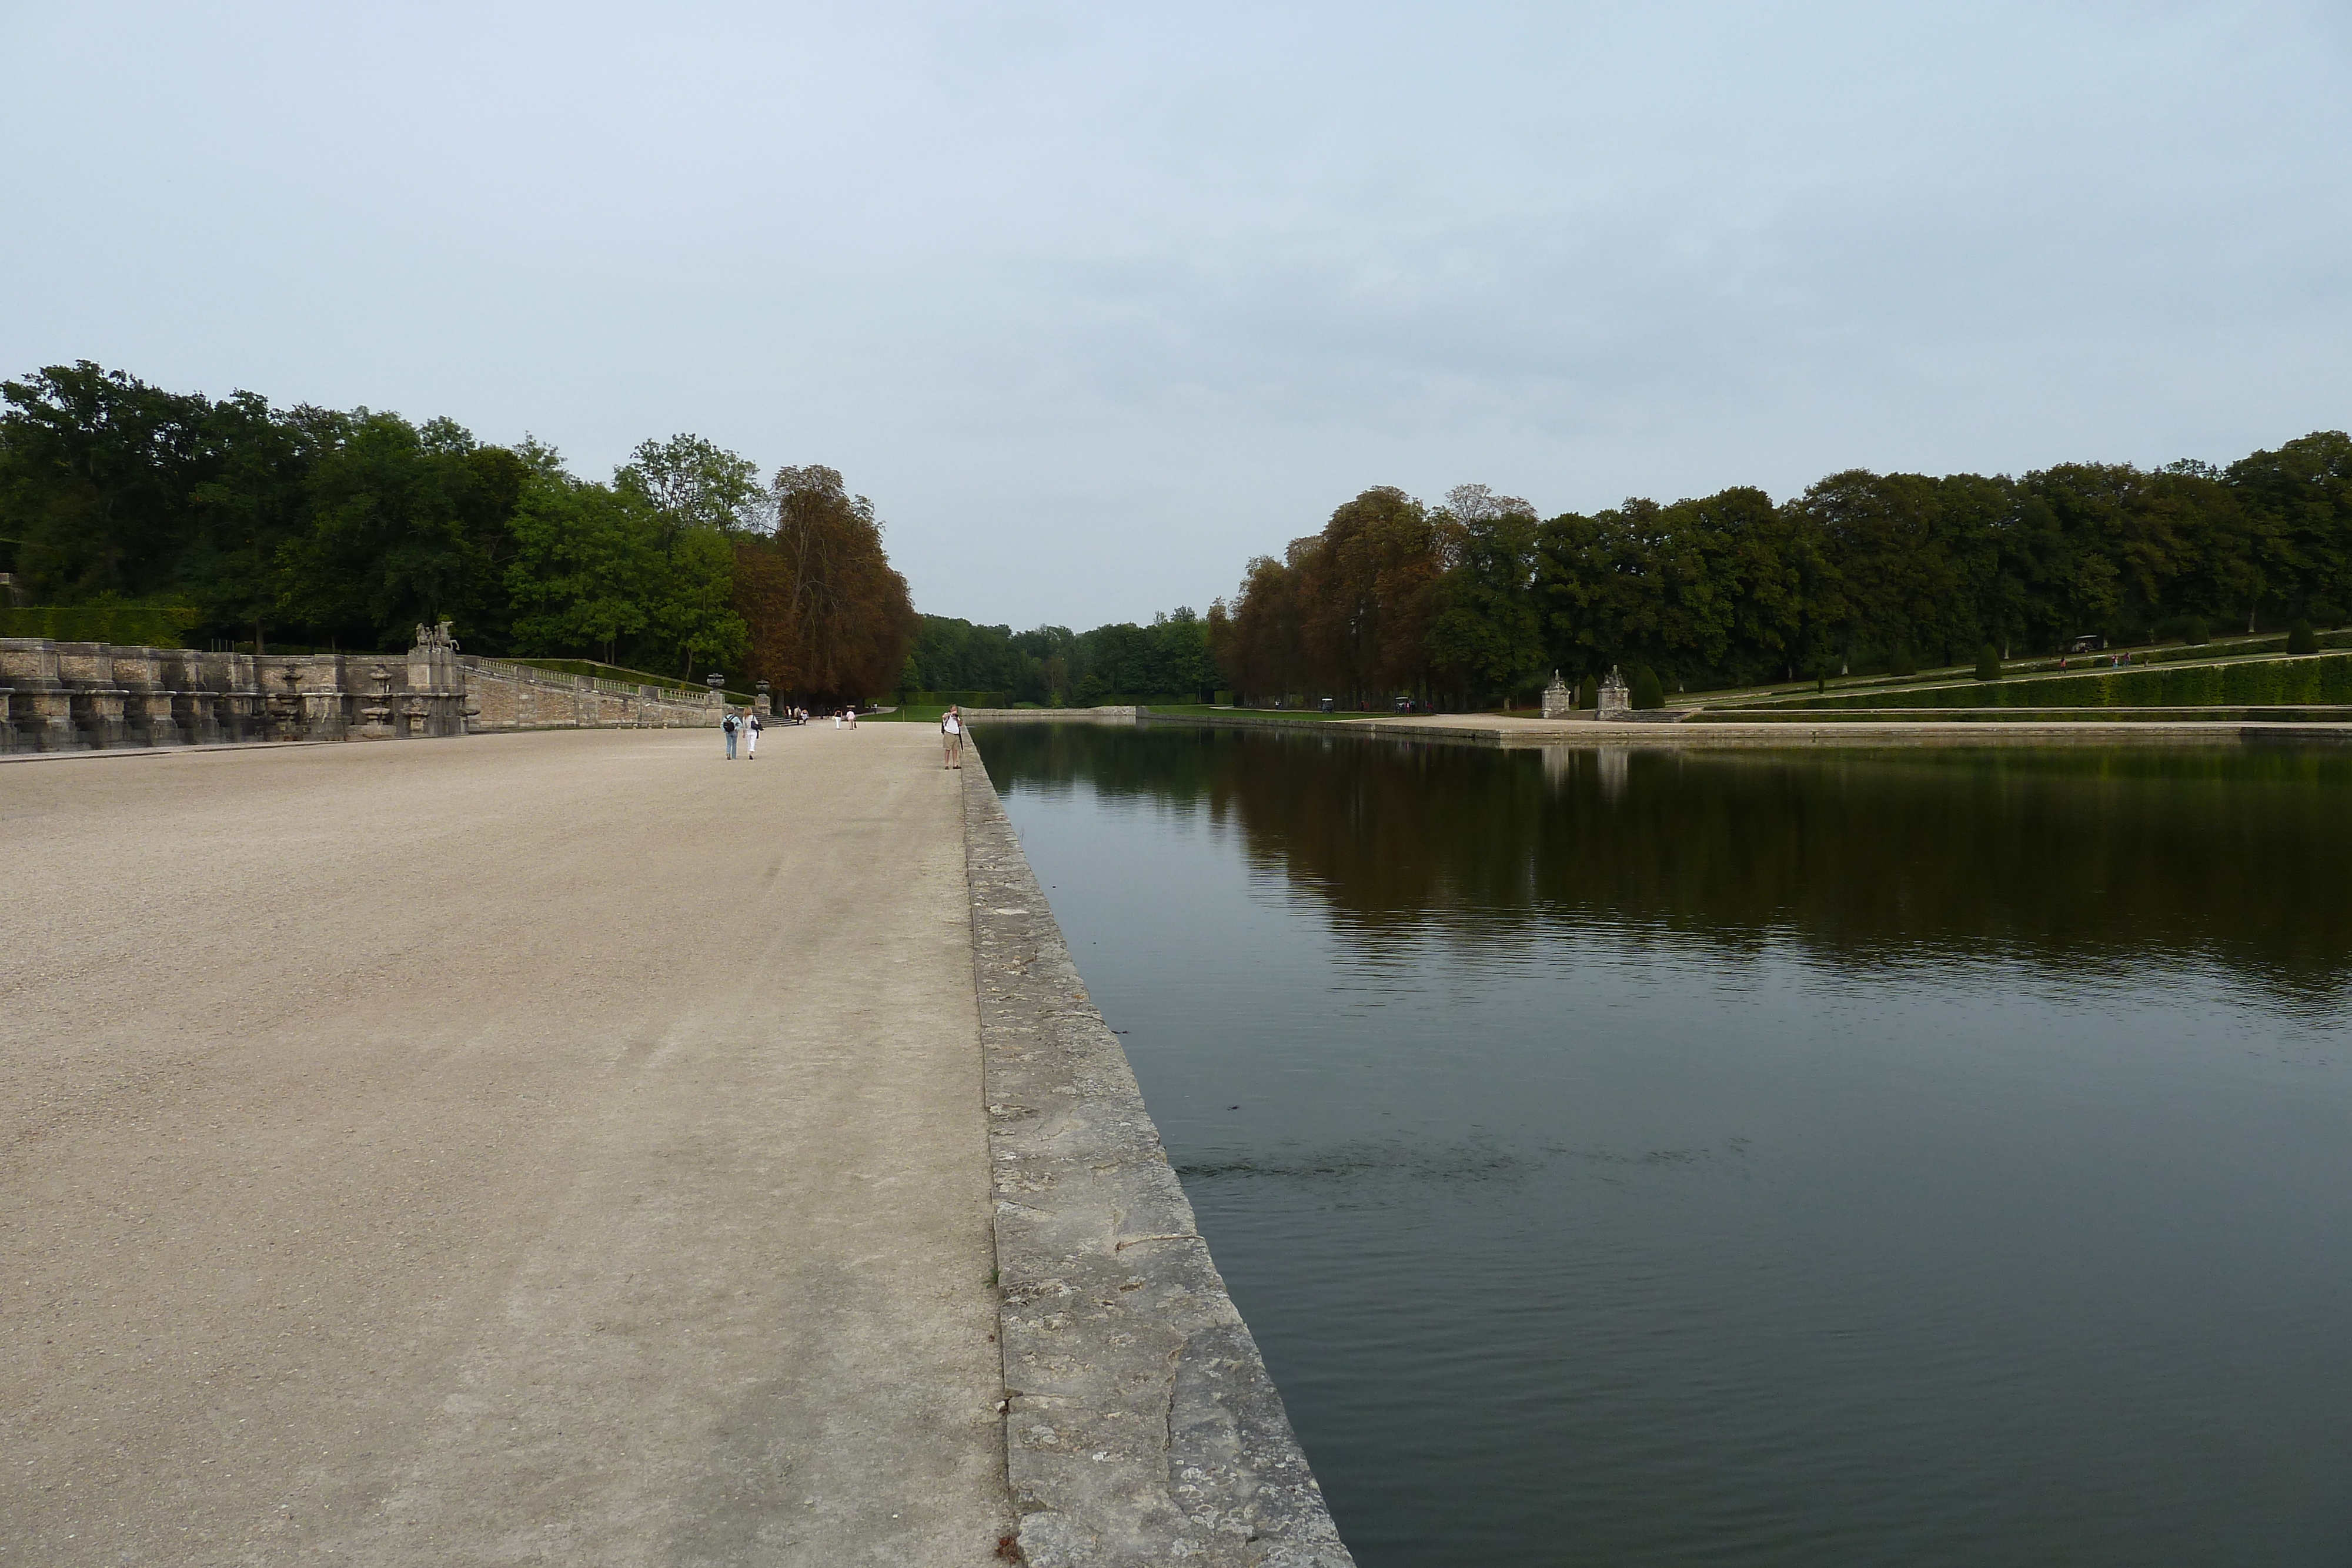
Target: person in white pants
[750,736]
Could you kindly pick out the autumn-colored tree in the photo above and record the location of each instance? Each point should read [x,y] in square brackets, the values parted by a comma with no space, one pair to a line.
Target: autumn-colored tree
[829,617]
[1367,590]
[1260,648]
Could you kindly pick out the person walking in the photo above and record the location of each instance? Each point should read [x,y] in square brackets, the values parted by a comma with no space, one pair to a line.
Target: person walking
[951,736]
[727,724]
[751,728]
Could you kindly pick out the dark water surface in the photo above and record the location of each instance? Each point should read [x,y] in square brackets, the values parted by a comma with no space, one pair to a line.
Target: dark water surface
[1811,1158]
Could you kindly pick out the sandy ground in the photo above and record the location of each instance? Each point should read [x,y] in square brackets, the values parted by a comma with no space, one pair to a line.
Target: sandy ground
[558,1148]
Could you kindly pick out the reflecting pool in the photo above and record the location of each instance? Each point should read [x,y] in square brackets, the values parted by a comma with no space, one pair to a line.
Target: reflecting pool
[1812,1157]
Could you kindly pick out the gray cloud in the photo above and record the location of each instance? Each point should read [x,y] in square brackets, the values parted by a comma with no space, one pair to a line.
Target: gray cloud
[1097,302]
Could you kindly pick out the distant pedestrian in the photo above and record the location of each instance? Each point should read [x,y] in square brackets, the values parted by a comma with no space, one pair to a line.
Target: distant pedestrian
[751,728]
[727,724]
[951,736]
[850,712]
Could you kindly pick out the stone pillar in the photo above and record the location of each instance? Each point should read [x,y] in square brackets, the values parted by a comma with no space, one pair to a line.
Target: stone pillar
[324,715]
[87,670]
[1559,701]
[760,704]
[282,697]
[41,706]
[193,705]
[435,703]
[247,715]
[144,673]
[1615,702]
[375,714]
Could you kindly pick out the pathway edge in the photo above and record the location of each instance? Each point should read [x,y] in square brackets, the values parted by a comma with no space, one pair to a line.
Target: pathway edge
[1142,1426]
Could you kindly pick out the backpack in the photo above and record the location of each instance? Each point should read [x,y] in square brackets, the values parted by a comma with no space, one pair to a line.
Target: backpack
[729,725]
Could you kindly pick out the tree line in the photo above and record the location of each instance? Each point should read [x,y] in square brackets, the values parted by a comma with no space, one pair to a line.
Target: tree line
[1478,596]
[323,526]
[1057,667]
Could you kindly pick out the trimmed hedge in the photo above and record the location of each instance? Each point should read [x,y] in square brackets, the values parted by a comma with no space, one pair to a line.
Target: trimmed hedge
[2311,681]
[127,625]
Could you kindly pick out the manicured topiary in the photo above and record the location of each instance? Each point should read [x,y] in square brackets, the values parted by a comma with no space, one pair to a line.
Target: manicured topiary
[1646,691]
[1988,662]
[1899,662]
[1587,692]
[2302,639]
[2198,633]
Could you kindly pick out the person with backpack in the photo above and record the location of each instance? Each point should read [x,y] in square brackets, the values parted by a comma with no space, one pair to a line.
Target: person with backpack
[727,724]
[751,728]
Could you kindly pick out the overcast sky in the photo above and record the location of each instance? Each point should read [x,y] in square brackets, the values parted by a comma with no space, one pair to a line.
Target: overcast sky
[1098,301]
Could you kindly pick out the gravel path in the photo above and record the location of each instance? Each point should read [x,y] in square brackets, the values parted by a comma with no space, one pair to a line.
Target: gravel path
[558,1148]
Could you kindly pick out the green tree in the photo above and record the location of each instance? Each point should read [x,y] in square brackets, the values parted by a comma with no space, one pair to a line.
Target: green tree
[1487,634]
[252,500]
[586,556]
[96,467]
[694,484]
[2298,506]
[1180,647]
[691,614]
[403,529]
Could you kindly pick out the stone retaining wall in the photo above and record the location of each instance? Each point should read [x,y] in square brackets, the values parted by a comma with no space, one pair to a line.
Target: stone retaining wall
[87,697]
[506,697]
[1053,714]
[1142,1426]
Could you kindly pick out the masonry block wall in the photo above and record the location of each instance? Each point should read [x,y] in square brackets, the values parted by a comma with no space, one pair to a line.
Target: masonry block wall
[76,697]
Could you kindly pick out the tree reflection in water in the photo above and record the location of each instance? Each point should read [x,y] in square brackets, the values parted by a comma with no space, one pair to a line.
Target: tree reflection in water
[2072,859]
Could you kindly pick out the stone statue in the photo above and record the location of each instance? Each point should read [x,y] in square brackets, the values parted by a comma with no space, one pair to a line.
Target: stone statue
[1559,702]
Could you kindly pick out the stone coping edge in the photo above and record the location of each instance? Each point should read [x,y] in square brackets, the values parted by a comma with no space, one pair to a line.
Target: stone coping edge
[1141,1424]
